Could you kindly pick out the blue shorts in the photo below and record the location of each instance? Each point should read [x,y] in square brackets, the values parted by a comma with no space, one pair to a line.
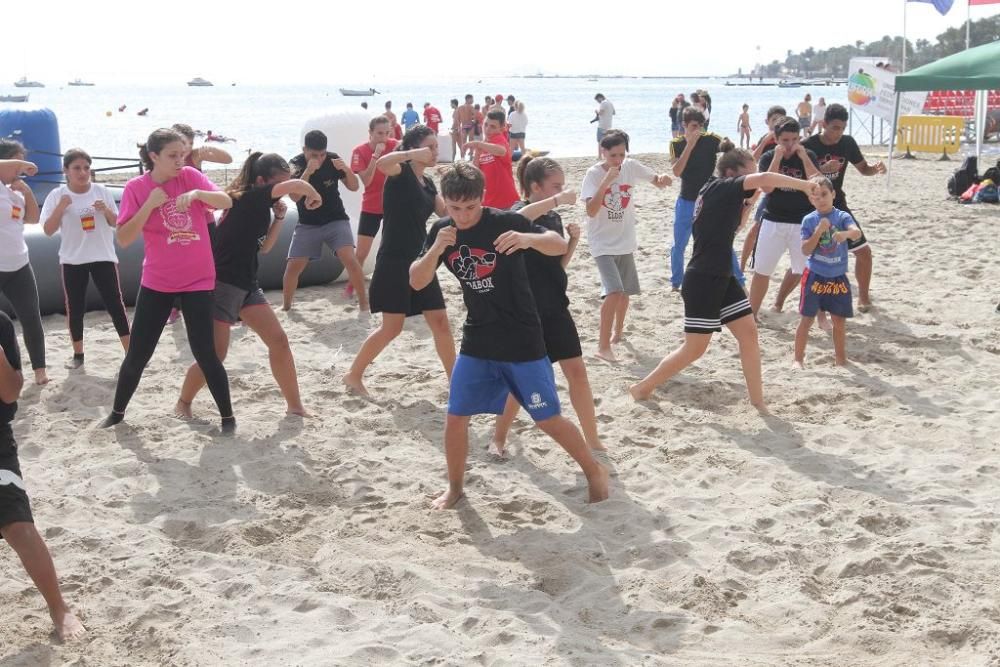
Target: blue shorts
[600,134]
[481,386]
[821,293]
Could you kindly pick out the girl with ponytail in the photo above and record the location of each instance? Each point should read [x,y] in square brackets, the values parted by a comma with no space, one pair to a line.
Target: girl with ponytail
[244,229]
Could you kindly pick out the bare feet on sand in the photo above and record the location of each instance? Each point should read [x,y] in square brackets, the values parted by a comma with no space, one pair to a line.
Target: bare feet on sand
[41,377]
[639,392]
[497,449]
[607,355]
[798,365]
[356,386]
[864,307]
[776,308]
[598,487]
[617,337]
[68,626]
[297,411]
[183,409]
[447,499]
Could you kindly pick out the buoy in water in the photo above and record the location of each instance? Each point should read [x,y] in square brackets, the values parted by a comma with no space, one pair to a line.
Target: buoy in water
[107,113]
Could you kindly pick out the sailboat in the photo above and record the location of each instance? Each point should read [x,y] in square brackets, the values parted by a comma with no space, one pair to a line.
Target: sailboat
[24,83]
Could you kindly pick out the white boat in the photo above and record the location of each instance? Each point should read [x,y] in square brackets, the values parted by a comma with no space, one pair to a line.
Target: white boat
[198,81]
[24,83]
[349,92]
[13,98]
[79,82]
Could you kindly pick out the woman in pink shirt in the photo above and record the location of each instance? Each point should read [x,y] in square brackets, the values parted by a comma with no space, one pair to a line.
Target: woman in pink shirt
[167,206]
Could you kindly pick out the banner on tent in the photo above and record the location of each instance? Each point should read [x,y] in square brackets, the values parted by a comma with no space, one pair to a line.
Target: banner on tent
[872,89]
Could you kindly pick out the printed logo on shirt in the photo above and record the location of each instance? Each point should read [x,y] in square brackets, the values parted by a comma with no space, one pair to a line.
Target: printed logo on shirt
[536,402]
[794,172]
[616,200]
[15,212]
[178,224]
[87,219]
[474,267]
[831,165]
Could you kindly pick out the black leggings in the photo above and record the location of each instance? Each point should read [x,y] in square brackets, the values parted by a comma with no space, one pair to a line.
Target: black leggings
[76,278]
[151,311]
[20,289]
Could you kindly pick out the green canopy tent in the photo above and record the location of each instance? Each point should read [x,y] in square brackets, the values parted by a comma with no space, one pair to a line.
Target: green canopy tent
[973,69]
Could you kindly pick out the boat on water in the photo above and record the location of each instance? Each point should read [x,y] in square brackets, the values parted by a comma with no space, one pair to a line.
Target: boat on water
[198,81]
[13,98]
[24,83]
[349,92]
[79,82]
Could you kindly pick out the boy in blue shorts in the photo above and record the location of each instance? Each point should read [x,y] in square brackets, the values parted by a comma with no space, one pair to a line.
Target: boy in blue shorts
[503,349]
[825,233]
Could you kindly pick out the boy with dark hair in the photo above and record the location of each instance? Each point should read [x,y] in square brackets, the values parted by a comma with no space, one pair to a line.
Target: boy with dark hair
[327,225]
[503,348]
[363,160]
[834,150]
[466,125]
[693,158]
[17,526]
[825,234]
[409,117]
[494,159]
[782,215]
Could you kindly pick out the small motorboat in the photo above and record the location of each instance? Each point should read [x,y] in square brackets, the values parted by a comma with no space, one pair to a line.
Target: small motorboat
[13,98]
[24,83]
[79,82]
[198,81]
[349,92]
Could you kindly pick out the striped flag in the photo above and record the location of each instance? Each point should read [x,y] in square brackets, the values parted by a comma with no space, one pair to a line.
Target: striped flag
[943,6]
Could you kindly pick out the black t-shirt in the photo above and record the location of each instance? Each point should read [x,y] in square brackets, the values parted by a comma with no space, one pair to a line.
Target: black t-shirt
[407,204]
[8,340]
[545,272]
[787,205]
[239,236]
[326,180]
[832,161]
[700,164]
[502,322]
[717,214]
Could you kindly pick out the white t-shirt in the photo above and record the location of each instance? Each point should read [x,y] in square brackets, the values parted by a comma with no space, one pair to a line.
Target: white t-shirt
[518,121]
[819,110]
[13,249]
[612,231]
[604,114]
[84,234]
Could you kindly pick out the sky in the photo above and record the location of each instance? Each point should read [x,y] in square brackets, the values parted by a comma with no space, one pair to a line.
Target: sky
[354,43]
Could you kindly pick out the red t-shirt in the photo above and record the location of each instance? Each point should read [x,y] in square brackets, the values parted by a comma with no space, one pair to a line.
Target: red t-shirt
[362,156]
[498,171]
[432,118]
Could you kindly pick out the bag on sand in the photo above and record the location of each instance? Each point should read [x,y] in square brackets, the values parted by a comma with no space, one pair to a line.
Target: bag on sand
[964,177]
[987,193]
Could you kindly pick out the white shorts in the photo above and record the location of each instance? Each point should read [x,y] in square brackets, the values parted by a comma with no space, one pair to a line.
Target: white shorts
[772,241]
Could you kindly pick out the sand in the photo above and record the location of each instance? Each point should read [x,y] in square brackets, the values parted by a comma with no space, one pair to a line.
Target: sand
[855,526]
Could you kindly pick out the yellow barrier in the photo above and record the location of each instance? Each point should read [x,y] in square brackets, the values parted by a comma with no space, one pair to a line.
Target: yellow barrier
[930,134]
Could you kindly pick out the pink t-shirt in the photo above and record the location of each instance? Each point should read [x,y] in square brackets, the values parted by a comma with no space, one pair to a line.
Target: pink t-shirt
[178,250]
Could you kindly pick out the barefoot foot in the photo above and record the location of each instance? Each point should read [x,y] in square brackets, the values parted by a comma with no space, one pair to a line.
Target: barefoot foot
[447,499]
[355,385]
[41,377]
[297,411]
[598,485]
[183,409]
[639,392]
[68,627]
[497,449]
[607,355]
[617,337]
[798,365]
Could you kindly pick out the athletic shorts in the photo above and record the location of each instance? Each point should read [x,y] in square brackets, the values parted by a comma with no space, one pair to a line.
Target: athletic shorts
[618,274]
[230,300]
[562,341]
[390,291]
[862,241]
[773,239]
[517,135]
[14,504]
[369,223]
[832,295]
[711,301]
[481,386]
[600,134]
[805,122]
[308,240]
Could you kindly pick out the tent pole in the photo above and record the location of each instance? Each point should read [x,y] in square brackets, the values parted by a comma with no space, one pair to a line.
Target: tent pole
[903,68]
[980,123]
[892,142]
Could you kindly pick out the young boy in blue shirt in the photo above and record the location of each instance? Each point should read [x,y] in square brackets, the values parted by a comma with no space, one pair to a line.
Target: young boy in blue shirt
[825,287]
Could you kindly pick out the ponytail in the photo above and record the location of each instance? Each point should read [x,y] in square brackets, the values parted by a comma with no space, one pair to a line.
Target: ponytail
[155,143]
[531,170]
[257,165]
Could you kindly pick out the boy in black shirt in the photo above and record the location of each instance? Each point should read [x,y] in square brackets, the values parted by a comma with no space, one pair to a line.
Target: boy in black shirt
[693,158]
[327,225]
[785,208]
[712,295]
[503,349]
[834,150]
[17,526]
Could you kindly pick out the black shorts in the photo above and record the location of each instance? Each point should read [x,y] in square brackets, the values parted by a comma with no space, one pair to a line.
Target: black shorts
[862,241]
[390,291]
[369,223]
[14,505]
[561,338]
[711,301]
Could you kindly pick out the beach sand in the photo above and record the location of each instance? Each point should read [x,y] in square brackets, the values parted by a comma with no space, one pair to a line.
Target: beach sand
[855,526]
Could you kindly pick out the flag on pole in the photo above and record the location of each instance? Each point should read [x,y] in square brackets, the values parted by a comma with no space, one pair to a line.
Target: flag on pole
[944,6]
[984,2]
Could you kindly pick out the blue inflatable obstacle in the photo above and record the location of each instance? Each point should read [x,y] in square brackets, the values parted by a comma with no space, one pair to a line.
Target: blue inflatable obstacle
[38,130]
